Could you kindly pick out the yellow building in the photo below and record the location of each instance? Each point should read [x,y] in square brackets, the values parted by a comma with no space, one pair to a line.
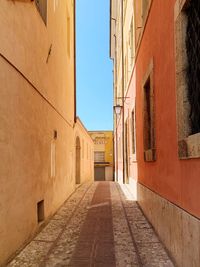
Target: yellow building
[103,155]
[38,117]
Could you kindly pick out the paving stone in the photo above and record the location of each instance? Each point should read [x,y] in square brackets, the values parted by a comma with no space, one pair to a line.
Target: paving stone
[97,226]
[51,231]
[69,237]
[150,251]
[99,222]
[125,251]
[32,254]
[154,255]
[36,252]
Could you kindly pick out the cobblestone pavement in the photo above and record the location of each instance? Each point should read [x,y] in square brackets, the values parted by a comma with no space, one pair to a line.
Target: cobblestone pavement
[96,227]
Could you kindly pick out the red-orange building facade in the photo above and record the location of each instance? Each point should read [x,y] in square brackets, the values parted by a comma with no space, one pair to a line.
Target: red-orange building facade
[164,161]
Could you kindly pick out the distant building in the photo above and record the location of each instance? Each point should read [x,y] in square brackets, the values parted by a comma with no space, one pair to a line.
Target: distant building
[103,155]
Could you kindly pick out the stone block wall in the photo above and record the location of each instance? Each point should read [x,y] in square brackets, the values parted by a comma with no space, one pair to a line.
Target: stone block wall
[178,230]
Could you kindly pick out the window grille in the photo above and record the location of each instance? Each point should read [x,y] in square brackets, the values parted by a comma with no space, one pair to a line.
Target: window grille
[193,69]
[42,8]
[99,156]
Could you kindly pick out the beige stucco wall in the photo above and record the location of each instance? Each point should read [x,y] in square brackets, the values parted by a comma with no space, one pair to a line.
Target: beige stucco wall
[86,151]
[36,98]
[25,41]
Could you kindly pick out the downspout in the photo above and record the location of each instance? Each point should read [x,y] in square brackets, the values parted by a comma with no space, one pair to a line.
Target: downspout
[115,94]
[74,61]
[122,40]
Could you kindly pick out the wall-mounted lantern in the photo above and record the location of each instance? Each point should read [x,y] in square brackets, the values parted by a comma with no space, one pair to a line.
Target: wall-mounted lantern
[117,109]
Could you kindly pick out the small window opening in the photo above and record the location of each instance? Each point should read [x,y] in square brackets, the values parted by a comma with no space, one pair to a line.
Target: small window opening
[55,134]
[40,211]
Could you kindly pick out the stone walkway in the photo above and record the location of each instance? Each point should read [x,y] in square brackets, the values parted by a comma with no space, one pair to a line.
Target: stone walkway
[97,226]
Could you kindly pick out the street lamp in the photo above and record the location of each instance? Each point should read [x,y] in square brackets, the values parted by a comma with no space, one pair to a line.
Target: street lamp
[117,109]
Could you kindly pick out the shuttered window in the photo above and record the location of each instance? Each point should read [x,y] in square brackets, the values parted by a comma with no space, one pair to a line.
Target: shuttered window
[99,156]
[42,8]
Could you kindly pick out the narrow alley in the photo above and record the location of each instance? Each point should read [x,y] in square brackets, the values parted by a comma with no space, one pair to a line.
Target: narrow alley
[99,133]
[99,225]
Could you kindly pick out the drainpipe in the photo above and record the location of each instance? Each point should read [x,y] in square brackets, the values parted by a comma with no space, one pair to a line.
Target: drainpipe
[122,44]
[116,148]
[115,94]
[74,61]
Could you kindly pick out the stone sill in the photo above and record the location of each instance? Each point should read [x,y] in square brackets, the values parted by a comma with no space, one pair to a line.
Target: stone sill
[189,147]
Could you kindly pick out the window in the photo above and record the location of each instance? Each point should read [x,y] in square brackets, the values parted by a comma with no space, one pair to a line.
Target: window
[193,68]
[42,8]
[187,45]
[144,7]
[148,111]
[99,156]
[133,131]
[40,211]
[138,22]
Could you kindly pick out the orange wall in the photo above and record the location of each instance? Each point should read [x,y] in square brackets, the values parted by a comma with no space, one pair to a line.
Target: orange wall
[36,98]
[177,180]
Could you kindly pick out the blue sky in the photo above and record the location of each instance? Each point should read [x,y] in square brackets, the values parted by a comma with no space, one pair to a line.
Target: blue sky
[94,67]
